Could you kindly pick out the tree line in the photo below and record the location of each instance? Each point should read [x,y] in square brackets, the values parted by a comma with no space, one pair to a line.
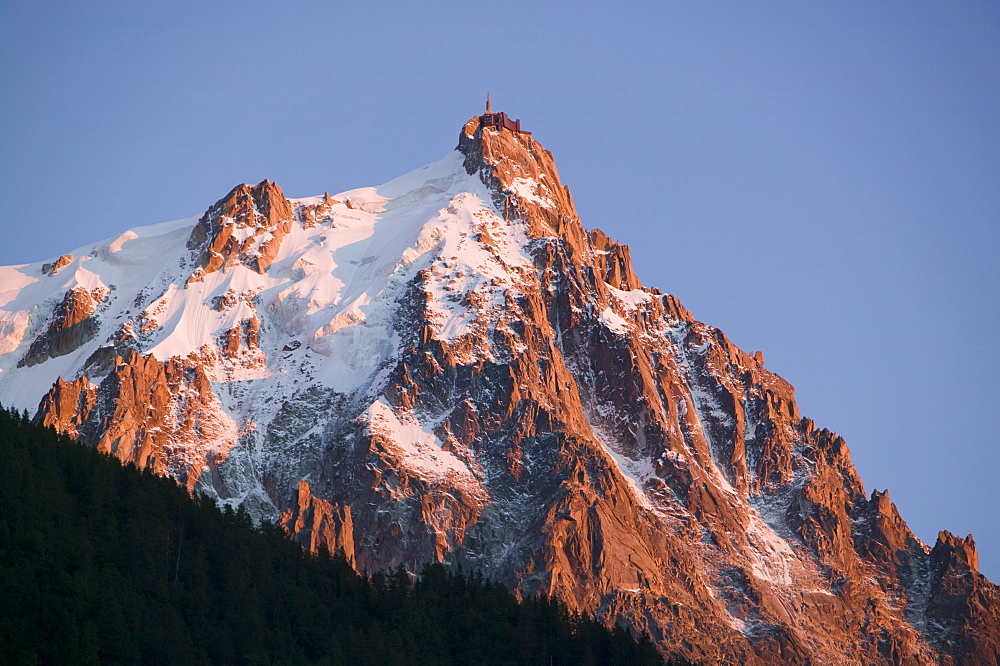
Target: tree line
[101,562]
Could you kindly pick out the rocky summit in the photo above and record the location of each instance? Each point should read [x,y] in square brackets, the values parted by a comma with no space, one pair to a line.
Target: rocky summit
[450,368]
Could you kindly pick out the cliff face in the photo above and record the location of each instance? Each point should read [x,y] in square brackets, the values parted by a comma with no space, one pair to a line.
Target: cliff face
[449,367]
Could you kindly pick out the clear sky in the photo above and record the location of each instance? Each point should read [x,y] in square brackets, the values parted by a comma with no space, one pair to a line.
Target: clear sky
[821,180]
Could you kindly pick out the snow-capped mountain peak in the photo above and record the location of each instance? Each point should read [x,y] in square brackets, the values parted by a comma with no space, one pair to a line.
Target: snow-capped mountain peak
[450,367]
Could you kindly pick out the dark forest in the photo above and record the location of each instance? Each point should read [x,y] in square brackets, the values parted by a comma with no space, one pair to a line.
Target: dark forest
[101,562]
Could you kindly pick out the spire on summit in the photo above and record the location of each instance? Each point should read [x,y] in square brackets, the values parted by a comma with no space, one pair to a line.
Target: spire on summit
[499,119]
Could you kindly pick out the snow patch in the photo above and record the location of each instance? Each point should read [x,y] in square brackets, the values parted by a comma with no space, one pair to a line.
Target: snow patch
[413,445]
[531,191]
[777,560]
[632,298]
[613,322]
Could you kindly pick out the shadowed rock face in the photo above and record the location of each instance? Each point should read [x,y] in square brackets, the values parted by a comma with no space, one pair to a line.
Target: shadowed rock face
[961,611]
[549,422]
[70,327]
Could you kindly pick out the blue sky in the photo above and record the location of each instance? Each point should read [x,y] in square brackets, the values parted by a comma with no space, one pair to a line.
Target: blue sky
[819,180]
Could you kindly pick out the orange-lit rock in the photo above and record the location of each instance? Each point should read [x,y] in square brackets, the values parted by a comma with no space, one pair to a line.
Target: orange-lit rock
[144,412]
[315,522]
[260,210]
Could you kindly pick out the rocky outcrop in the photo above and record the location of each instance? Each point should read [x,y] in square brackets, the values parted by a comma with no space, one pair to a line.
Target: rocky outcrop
[72,324]
[245,336]
[312,215]
[53,268]
[316,523]
[613,261]
[498,391]
[68,405]
[162,415]
[961,610]
[244,227]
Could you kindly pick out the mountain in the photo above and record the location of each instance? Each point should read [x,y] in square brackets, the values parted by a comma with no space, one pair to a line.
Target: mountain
[450,368]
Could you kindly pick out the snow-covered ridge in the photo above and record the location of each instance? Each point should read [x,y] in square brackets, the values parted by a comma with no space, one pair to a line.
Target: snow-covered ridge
[330,294]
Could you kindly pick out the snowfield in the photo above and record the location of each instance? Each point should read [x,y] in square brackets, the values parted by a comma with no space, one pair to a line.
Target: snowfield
[331,293]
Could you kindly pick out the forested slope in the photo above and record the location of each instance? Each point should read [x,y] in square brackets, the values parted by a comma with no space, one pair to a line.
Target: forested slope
[102,563]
